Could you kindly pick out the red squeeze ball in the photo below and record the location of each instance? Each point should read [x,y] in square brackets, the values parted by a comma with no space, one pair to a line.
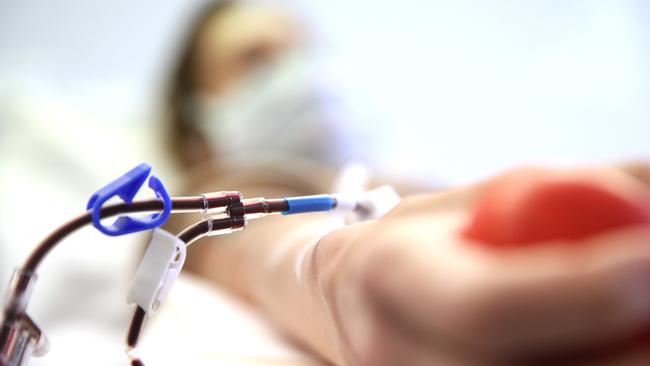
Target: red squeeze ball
[522,210]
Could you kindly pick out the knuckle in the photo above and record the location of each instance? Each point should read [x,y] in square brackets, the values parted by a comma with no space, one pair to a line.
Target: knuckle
[639,170]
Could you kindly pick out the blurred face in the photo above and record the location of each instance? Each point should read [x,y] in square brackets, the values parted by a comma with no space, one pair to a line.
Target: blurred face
[238,41]
[251,82]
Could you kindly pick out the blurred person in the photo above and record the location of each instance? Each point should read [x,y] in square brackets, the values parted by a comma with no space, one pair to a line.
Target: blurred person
[405,289]
[245,79]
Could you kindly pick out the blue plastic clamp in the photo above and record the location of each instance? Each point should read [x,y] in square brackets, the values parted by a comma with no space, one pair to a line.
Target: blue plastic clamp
[126,188]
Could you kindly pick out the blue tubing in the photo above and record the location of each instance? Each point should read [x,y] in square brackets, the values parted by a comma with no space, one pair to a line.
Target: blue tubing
[303,204]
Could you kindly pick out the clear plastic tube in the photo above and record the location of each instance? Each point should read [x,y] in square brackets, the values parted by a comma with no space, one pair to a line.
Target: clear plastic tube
[256,208]
[237,225]
[19,291]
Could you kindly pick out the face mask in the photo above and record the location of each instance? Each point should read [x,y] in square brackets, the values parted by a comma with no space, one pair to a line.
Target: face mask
[280,111]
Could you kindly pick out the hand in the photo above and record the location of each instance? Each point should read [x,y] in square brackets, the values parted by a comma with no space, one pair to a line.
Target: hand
[409,289]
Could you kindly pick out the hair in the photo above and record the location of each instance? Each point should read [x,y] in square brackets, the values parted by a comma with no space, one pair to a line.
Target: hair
[183,138]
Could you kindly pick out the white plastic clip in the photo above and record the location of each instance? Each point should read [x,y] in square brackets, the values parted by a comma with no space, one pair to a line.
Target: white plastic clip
[157,272]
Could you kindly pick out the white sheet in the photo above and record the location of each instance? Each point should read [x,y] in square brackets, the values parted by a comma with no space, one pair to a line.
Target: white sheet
[199,325]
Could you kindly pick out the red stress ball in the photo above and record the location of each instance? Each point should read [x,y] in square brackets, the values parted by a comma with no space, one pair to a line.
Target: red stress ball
[524,208]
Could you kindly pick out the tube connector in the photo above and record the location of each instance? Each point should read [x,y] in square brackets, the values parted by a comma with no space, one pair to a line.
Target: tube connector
[234,224]
[20,337]
[219,202]
[19,292]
